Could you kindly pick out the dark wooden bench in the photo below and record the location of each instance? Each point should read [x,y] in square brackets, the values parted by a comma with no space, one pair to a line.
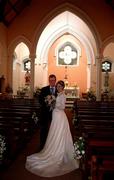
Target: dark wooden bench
[99,144]
[102,165]
[95,120]
[17,125]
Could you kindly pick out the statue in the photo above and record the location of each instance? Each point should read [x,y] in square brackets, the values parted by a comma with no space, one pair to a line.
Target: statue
[27,78]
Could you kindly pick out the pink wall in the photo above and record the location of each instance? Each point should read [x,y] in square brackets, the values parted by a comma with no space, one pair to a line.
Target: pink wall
[3,51]
[76,75]
[28,24]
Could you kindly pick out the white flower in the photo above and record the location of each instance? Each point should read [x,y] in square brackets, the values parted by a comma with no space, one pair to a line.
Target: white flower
[35,118]
[79,148]
[83,152]
[2,146]
[80,138]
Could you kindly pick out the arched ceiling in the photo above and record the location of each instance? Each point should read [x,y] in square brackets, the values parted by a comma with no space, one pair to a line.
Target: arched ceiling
[66,22]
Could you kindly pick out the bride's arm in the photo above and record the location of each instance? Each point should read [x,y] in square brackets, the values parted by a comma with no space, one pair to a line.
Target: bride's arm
[60,103]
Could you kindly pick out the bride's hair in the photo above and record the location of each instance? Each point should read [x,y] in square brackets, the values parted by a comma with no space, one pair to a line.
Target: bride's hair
[61,83]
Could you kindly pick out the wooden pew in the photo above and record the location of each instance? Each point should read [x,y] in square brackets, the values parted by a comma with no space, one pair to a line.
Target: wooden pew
[102,165]
[17,125]
[99,147]
[96,121]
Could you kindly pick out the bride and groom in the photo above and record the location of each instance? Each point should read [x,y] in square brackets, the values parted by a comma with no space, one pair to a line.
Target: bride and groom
[56,155]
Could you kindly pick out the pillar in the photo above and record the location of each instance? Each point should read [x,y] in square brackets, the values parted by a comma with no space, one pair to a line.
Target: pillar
[98,77]
[32,58]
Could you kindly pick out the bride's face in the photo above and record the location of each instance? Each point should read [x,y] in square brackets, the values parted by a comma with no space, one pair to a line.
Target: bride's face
[59,88]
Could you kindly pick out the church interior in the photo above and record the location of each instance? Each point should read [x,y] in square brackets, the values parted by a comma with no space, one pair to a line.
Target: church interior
[75,41]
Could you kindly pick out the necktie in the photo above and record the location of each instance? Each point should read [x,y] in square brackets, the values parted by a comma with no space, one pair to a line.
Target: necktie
[52,90]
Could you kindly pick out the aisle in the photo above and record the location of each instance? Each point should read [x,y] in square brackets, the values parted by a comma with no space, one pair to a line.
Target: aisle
[17,170]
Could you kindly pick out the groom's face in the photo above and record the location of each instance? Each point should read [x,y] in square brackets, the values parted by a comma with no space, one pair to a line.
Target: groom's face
[52,81]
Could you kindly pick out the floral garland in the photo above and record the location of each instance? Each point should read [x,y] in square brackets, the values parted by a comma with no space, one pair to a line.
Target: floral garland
[79,148]
[50,101]
[2,146]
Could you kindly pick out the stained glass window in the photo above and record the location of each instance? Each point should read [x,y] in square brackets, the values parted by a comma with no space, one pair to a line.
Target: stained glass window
[27,65]
[106,66]
[67,55]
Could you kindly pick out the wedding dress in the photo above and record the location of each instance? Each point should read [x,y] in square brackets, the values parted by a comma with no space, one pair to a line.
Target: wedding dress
[56,158]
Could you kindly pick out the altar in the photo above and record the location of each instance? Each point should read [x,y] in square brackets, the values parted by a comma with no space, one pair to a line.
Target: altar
[72,93]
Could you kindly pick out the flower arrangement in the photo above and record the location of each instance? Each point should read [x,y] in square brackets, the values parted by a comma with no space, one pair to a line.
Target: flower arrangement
[50,101]
[79,148]
[2,146]
[91,95]
[37,91]
[22,91]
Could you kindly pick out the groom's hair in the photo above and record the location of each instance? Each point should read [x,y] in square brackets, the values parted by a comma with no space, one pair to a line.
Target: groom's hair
[52,76]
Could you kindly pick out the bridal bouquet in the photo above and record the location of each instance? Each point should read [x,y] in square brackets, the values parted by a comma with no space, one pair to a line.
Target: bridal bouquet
[79,148]
[50,101]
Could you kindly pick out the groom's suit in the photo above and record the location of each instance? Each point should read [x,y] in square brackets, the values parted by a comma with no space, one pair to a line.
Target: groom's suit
[46,115]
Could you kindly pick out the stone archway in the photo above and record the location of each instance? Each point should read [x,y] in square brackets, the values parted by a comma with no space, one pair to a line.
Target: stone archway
[92,50]
[13,60]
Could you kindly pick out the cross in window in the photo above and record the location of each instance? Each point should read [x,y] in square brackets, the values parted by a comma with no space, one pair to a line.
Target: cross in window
[68,54]
[106,66]
[27,65]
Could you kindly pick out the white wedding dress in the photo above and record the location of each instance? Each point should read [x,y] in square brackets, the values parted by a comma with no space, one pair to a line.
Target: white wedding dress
[56,158]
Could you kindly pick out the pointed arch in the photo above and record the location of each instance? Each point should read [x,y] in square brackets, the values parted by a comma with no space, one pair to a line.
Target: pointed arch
[11,50]
[75,10]
[16,41]
[91,44]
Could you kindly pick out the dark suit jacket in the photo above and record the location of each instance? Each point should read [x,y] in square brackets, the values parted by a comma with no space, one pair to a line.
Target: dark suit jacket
[46,114]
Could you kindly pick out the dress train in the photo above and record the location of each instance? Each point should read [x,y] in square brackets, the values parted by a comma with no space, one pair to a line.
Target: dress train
[56,158]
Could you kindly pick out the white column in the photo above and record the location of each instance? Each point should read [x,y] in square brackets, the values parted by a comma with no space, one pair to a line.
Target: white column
[32,58]
[10,69]
[89,76]
[98,77]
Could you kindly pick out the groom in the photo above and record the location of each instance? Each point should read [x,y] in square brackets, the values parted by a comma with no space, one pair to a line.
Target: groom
[46,114]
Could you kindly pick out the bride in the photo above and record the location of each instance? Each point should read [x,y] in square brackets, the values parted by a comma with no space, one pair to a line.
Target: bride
[56,158]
